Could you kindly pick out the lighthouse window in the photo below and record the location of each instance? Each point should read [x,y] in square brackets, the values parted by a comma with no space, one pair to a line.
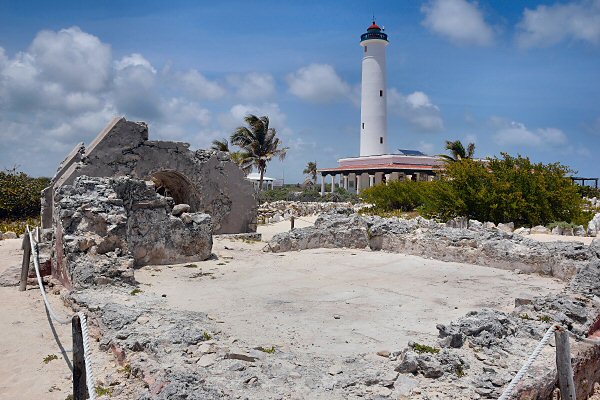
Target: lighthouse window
[363,125]
[365,49]
[381,140]
[381,93]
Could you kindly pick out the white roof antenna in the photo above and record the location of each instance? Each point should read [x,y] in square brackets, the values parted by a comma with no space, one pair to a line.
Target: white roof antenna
[383,28]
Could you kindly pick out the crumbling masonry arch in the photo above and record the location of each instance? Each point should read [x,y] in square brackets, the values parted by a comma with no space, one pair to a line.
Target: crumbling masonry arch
[176,185]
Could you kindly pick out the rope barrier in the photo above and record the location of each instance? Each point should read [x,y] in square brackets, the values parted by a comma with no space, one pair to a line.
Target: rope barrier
[65,321]
[536,352]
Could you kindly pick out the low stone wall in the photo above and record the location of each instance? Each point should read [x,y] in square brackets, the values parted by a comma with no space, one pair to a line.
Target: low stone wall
[280,210]
[106,226]
[476,245]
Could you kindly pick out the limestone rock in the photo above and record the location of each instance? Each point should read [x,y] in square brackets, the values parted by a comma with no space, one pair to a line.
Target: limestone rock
[579,230]
[105,226]
[539,229]
[180,209]
[9,235]
[522,231]
[508,227]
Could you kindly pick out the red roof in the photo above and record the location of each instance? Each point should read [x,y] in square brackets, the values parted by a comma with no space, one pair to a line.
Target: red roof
[374,26]
[397,167]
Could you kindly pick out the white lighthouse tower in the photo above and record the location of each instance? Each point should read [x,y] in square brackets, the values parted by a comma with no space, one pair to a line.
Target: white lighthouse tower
[373,103]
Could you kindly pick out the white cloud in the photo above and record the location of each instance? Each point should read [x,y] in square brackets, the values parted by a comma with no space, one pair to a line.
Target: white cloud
[235,116]
[253,85]
[548,25]
[65,87]
[425,147]
[416,109]
[134,60]
[75,59]
[199,86]
[317,83]
[135,88]
[517,134]
[459,21]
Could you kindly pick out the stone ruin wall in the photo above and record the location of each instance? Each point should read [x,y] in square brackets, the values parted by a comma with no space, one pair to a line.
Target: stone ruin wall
[126,201]
[107,226]
[208,181]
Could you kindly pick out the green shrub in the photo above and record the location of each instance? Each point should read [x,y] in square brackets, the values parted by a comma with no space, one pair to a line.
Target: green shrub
[397,195]
[588,191]
[20,194]
[507,189]
[294,193]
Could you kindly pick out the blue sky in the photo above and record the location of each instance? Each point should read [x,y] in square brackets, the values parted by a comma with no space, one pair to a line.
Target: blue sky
[521,77]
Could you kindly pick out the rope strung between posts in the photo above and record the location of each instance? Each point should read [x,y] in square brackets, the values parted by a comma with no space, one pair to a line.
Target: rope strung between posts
[87,355]
[536,352]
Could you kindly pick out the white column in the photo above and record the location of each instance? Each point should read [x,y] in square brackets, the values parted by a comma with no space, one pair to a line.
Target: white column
[322,185]
[388,178]
[333,177]
[371,180]
[357,178]
[345,180]
[407,177]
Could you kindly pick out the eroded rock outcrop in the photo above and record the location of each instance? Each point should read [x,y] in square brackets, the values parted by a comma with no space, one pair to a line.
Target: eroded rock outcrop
[106,226]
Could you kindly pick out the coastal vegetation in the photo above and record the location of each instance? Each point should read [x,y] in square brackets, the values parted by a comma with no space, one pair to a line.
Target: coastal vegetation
[458,151]
[298,193]
[19,200]
[500,189]
[258,143]
[311,171]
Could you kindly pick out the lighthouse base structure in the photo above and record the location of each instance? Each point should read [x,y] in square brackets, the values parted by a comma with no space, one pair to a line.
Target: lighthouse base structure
[355,174]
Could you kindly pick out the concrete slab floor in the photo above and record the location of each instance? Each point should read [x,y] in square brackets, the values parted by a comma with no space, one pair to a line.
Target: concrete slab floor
[335,301]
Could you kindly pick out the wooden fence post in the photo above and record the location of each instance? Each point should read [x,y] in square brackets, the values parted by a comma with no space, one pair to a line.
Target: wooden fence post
[80,389]
[26,246]
[563,365]
[292,223]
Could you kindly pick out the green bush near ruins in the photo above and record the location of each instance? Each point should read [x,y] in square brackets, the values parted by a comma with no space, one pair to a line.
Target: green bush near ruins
[501,189]
[296,193]
[19,200]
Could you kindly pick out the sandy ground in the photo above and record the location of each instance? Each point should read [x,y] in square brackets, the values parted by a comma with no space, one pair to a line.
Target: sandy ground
[27,337]
[556,238]
[330,301]
[334,301]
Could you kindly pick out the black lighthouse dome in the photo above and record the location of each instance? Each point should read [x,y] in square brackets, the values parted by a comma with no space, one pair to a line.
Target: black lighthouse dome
[374,32]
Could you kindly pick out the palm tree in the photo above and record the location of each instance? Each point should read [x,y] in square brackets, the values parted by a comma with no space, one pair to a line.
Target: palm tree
[311,169]
[220,145]
[458,151]
[259,143]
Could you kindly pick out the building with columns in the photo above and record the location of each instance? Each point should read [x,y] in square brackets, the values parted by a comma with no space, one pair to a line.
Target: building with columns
[376,164]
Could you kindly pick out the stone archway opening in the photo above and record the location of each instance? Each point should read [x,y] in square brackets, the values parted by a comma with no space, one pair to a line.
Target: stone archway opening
[176,185]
